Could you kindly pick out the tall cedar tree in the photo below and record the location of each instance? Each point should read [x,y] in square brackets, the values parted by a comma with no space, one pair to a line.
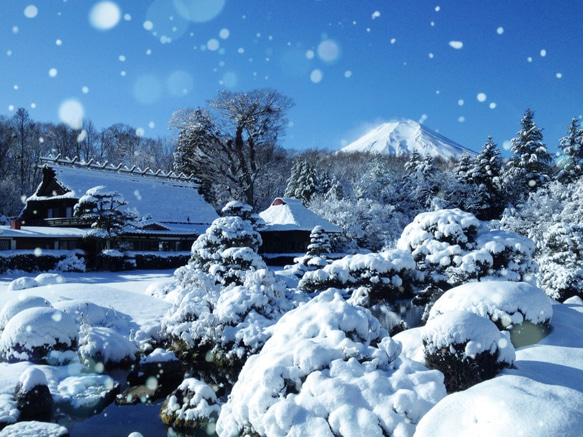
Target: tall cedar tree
[232,145]
[530,166]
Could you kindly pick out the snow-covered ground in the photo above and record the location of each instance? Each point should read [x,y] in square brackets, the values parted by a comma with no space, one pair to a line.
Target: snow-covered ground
[541,394]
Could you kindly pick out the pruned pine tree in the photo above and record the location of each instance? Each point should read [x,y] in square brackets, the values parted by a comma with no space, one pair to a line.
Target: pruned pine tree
[571,158]
[104,209]
[229,246]
[530,166]
[232,146]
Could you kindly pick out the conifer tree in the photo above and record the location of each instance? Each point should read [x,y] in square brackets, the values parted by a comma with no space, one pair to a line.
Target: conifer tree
[530,166]
[303,182]
[571,159]
[486,174]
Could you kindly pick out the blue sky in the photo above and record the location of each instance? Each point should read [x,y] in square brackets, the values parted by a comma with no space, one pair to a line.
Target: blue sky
[467,69]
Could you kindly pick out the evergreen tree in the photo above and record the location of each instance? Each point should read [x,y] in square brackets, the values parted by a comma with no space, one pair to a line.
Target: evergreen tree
[462,168]
[486,173]
[530,166]
[571,159]
[303,182]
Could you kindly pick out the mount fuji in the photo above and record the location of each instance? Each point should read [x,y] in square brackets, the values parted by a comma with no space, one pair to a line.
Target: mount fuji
[401,138]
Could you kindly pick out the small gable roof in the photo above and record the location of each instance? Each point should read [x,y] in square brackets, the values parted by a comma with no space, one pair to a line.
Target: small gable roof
[164,199]
[287,214]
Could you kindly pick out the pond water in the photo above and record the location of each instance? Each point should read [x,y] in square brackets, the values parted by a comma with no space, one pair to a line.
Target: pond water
[116,421]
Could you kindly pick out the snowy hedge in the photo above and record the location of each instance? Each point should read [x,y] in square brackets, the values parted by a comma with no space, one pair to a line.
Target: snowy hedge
[384,276]
[453,247]
[41,261]
[329,369]
[466,348]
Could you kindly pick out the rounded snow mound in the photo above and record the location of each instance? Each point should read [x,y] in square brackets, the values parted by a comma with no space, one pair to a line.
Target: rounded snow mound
[330,369]
[31,378]
[18,304]
[50,279]
[32,333]
[509,406]
[503,302]
[38,429]
[22,283]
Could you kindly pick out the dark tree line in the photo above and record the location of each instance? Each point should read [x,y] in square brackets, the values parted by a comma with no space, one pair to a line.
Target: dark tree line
[23,141]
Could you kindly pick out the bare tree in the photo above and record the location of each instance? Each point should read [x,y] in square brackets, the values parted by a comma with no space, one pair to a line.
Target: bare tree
[232,145]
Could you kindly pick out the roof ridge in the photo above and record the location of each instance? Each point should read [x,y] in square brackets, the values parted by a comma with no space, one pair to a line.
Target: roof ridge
[119,169]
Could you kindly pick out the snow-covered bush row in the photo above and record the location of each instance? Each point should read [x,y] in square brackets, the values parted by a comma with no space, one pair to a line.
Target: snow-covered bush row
[453,247]
[384,276]
[209,321]
[329,369]
[507,304]
[466,348]
[43,261]
[193,405]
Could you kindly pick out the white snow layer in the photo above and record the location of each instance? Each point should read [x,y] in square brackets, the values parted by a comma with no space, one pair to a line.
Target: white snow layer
[505,303]
[506,406]
[31,378]
[33,428]
[286,214]
[319,374]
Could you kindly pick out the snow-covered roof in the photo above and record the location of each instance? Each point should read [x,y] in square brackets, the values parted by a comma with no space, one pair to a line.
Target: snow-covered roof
[41,232]
[287,214]
[165,199]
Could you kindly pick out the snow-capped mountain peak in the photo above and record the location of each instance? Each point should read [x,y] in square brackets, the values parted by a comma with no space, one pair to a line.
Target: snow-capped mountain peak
[403,137]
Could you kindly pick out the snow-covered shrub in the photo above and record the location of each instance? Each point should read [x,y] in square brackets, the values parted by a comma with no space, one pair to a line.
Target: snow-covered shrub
[210,322]
[329,369]
[22,283]
[452,247]
[561,261]
[33,397]
[517,307]
[379,277]
[32,333]
[18,304]
[466,348]
[101,347]
[72,263]
[192,405]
